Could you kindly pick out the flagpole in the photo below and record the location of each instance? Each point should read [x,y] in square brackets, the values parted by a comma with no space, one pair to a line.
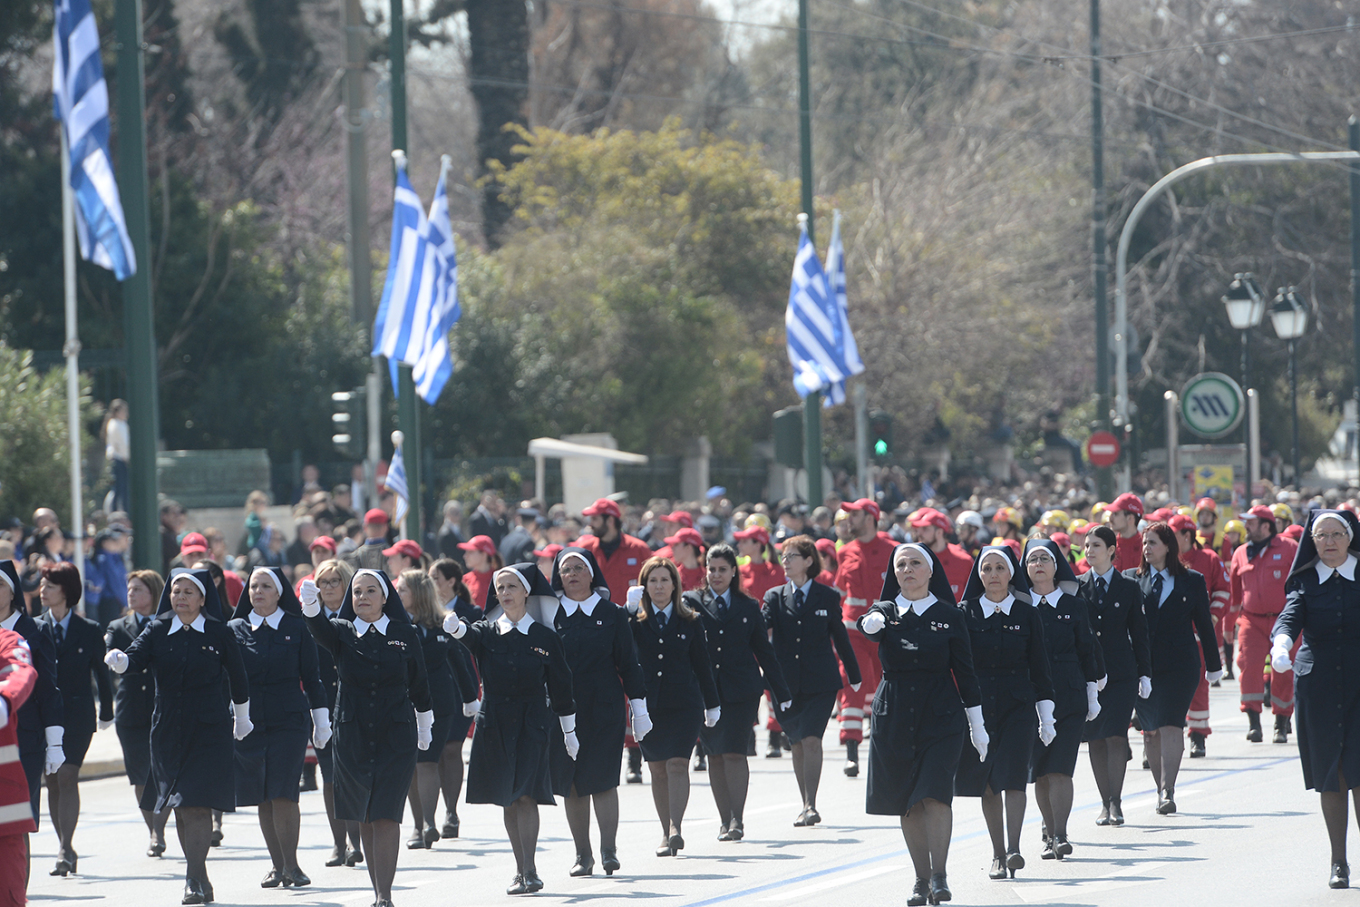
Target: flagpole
[812,403]
[72,351]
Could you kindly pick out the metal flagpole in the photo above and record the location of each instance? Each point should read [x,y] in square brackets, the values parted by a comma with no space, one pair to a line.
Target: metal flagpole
[72,352]
[812,404]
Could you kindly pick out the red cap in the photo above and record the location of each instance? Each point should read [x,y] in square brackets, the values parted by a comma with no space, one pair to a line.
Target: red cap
[826,546]
[1127,502]
[603,507]
[1181,523]
[408,547]
[687,536]
[323,541]
[866,504]
[1293,531]
[376,515]
[1259,512]
[194,543]
[1061,538]
[755,532]
[680,516]
[1206,504]
[929,516]
[549,551]
[480,543]
[1161,515]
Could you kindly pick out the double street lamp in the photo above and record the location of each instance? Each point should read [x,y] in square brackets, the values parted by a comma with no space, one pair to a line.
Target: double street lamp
[1246,306]
[1290,318]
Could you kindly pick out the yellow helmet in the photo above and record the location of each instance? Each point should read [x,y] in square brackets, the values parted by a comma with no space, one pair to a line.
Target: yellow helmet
[1282,512]
[1097,509]
[1235,526]
[1009,515]
[1078,526]
[841,515]
[1186,511]
[1056,519]
[758,519]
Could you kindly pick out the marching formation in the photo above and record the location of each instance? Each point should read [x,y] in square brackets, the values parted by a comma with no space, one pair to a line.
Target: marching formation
[972,670]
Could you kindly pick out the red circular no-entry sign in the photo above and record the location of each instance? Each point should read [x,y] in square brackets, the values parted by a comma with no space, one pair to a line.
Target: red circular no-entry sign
[1102,449]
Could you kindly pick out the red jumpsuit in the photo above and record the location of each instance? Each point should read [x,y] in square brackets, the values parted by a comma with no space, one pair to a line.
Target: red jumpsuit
[756,580]
[17,677]
[621,568]
[691,578]
[1216,580]
[957,566]
[1258,588]
[1128,552]
[863,567]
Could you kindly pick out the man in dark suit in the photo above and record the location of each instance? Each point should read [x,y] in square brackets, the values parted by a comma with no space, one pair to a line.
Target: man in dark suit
[489,518]
[518,545]
[451,533]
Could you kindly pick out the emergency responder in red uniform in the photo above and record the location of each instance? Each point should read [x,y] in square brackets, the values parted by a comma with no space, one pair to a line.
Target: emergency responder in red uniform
[1258,573]
[931,528]
[1206,563]
[17,678]
[1124,514]
[864,563]
[685,549]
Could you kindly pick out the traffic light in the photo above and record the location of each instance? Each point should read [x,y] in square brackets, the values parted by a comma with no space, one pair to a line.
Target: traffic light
[788,437]
[880,434]
[349,421]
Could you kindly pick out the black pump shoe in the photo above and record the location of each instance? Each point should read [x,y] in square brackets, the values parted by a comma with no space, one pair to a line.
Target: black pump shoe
[920,894]
[1116,813]
[939,889]
[517,886]
[450,829]
[998,870]
[193,892]
[609,861]
[1061,846]
[272,879]
[584,865]
[532,882]
[1048,852]
[1103,818]
[1341,876]
[1014,861]
[295,878]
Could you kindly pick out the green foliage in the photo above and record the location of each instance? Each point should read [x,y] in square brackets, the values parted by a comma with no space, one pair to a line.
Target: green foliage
[35,463]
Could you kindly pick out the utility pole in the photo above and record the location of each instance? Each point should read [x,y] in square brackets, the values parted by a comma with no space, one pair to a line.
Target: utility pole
[812,403]
[408,405]
[1353,129]
[139,326]
[1104,474]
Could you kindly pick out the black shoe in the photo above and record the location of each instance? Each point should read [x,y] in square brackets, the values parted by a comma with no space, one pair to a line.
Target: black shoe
[430,837]
[634,775]
[216,838]
[532,882]
[337,857]
[1254,723]
[584,865]
[308,777]
[1014,861]
[920,894]
[354,858]
[775,749]
[1166,806]
[677,843]
[939,888]
[1104,816]
[813,817]
[155,849]
[295,878]
[207,892]
[1048,852]
[517,886]
[852,759]
[1116,813]
[802,819]
[1061,846]
[1341,876]
[700,762]
[665,849]
[1282,729]
[736,830]
[272,879]
[609,861]
[1196,745]
[998,870]
[416,841]
[450,829]
[193,892]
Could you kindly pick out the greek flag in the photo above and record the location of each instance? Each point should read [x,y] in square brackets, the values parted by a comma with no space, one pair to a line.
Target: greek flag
[396,483]
[835,273]
[81,102]
[813,324]
[420,296]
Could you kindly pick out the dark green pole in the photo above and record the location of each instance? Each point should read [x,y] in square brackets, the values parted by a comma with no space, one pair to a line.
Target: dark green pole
[812,404]
[139,326]
[1354,133]
[1104,474]
[408,405]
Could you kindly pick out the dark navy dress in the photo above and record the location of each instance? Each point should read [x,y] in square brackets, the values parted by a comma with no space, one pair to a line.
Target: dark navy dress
[80,655]
[451,684]
[460,725]
[133,702]
[1073,661]
[1172,628]
[679,679]
[1121,631]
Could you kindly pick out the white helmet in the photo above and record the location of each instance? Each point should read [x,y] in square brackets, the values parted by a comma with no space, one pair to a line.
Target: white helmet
[970,518]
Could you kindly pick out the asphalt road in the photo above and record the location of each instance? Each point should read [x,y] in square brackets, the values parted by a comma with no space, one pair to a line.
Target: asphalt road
[1247,833]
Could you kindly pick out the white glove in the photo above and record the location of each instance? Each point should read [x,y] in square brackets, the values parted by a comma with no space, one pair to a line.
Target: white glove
[712,715]
[1279,654]
[569,738]
[1100,684]
[424,723]
[634,596]
[1047,728]
[117,660]
[785,706]
[872,623]
[55,756]
[311,604]
[1214,676]
[977,731]
[4,711]
[1092,702]
[243,723]
[1144,687]
[470,709]
[105,725]
[642,722]
[454,626]
[321,728]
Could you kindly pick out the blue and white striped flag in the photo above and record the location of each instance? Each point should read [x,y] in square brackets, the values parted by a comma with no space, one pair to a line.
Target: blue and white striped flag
[812,323]
[835,274]
[420,296]
[81,102]
[396,483]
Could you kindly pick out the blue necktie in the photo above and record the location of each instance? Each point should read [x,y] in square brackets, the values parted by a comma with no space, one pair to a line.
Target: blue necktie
[660,621]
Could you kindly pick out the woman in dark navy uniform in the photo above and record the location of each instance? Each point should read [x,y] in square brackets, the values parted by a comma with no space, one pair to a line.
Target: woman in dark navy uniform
[1322,605]
[1007,638]
[681,694]
[285,682]
[332,579]
[452,690]
[1074,665]
[1115,606]
[520,657]
[202,702]
[453,595]
[927,691]
[1176,604]
[740,650]
[135,699]
[382,713]
[599,648]
[40,717]
[804,618]
[80,653]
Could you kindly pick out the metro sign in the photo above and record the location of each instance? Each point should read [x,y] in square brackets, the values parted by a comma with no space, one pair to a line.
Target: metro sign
[1212,404]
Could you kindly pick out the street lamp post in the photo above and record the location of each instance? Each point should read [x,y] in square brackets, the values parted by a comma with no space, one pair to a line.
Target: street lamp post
[1290,319]
[1246,307]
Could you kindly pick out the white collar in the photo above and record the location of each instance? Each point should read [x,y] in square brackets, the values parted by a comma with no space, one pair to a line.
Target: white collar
[199,623]
[9,622]
[504,626]
[587,606]
[361,626]
[1049,598]
[990,607]
[273,620]
[920,607]
[1347,569]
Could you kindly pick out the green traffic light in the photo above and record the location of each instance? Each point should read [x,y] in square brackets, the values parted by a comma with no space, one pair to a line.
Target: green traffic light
[881,447]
